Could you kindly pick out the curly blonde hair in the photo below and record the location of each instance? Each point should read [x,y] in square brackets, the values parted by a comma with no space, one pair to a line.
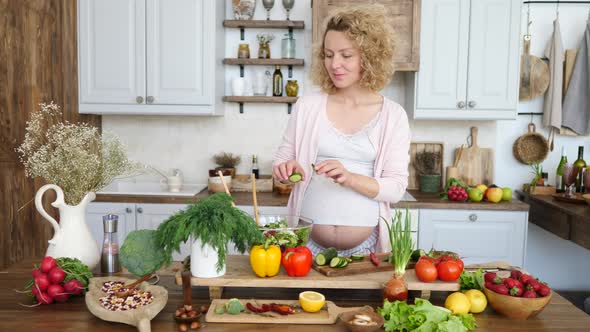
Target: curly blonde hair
[371,32]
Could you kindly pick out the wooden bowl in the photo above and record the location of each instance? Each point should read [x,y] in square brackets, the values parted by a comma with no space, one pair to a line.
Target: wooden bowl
[346,317]
[139,317]
[586,197]
[516,307]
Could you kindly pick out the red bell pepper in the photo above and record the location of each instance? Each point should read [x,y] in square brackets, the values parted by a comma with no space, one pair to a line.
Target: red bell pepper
[297,261]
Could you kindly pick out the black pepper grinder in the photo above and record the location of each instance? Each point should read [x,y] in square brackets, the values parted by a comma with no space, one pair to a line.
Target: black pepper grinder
[109,262]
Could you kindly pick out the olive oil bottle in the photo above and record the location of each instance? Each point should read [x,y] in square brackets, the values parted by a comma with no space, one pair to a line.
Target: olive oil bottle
[277,82]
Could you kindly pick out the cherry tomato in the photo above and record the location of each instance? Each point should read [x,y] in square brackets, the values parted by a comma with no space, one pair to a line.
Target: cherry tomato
[426,270]
[449,271]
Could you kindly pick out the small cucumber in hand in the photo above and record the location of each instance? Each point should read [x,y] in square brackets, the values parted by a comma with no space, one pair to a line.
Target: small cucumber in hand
[295,177]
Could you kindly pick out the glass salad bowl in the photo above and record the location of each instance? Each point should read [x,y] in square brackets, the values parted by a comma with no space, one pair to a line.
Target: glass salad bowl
[285,231]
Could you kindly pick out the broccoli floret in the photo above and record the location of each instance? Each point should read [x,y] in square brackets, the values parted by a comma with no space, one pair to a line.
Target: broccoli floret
[234,306]
[140,253]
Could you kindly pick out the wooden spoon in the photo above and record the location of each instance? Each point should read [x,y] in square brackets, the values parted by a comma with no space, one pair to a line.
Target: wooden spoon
[253,178]
[225,186]
[131,287]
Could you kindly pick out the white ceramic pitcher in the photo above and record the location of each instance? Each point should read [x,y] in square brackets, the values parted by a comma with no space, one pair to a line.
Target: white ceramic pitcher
[72,238]
[204,260]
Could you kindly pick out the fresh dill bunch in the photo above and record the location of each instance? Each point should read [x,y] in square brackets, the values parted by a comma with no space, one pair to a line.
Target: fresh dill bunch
[213,220]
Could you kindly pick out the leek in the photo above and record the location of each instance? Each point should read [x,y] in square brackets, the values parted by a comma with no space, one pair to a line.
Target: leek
[400,237]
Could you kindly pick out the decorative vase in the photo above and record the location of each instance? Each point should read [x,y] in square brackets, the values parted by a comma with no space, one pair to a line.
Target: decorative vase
[72,237]
[263,51]
[430,183]
[395,289]
[243,9]
[204,260]
[292,88]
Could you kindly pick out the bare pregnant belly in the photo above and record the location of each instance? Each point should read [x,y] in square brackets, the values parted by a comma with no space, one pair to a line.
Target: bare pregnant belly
[340,237]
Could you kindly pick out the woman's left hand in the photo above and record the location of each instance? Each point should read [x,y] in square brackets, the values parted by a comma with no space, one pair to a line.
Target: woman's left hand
[334,170]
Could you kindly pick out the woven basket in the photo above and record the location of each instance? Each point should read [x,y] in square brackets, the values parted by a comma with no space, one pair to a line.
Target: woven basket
[531,147]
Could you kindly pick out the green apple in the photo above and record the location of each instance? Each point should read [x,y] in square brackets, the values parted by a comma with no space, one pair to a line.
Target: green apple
[506,194]
[475,195]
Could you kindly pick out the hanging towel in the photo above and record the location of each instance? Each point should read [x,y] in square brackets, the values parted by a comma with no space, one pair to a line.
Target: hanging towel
[576,106]
[553,96]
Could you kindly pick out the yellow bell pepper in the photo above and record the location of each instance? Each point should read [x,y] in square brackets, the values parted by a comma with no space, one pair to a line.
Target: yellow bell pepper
[265,262]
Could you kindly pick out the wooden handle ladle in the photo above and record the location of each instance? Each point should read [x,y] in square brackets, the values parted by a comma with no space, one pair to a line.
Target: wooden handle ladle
[127,290]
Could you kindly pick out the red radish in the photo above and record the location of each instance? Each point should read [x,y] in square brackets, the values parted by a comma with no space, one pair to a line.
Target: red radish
[73,287]
[544,290]
[57,293]
[56,275]
[42,282]
[47,264]
[530,294]
[36,273]
[35,290]
[44,298]
[489,276]
[515,274]
[500,289]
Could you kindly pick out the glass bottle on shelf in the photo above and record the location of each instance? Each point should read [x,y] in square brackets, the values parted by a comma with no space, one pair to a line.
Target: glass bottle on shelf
[109,262]
[255,167]
[559,185]
[277,82]
[580,164]
[288,47]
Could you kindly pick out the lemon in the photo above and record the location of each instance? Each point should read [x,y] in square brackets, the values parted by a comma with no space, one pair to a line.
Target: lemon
[477,299]
[311,301]
[458,303]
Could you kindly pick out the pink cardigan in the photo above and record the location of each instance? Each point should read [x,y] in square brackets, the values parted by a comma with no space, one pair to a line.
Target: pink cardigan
[391,139]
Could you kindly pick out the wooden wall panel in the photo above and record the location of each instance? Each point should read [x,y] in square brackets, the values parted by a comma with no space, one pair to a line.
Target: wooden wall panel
[38,63]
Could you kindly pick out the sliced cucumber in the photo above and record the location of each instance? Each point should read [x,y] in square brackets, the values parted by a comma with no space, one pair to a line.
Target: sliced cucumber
[343,262]
[357,257]
[326,256]
[295,177]
[335,262]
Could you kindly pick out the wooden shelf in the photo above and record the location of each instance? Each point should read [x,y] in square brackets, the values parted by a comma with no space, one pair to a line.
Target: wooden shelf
[264,62]
[264,24]
[260,99]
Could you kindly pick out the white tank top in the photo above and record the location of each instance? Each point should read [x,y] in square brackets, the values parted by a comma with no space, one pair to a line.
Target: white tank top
[329,203]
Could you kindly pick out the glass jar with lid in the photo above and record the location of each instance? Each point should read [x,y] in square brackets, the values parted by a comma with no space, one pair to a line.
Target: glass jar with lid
[244,51]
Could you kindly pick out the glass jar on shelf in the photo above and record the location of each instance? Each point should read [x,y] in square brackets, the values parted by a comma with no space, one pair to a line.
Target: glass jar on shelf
[244,51]
[292,88]
[288,47]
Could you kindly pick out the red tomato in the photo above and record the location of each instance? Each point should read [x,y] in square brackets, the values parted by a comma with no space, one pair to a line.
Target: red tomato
[449,271]
[461,264]
[425,270]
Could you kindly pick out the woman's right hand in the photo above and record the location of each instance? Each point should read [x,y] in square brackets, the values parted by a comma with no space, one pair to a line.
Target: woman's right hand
[282,171]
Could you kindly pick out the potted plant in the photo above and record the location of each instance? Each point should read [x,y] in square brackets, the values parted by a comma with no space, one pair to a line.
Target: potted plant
[210,224]
[227,161]
[428,166]
[400,237]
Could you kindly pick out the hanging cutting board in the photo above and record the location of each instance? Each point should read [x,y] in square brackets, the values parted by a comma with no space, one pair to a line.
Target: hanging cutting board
[534,73]
[328,314]
[476,165]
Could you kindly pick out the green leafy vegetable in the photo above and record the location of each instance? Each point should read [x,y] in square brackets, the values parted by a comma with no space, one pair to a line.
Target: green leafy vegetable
[74,269]
[472,280]
[234,306]
[141,253]
[214,221]
[423,316]
[284,237]
[402,246]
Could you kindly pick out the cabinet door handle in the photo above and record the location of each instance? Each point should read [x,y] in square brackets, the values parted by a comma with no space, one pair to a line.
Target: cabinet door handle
[128,210]
[473,217]
[461,104]
[139,210]
[471,104]
[150,99]
[139,99]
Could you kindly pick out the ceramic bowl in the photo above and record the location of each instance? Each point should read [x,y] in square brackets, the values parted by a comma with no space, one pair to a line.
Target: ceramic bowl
[586,197]
[516,307]
[300,226]
[347,317]
[139,317]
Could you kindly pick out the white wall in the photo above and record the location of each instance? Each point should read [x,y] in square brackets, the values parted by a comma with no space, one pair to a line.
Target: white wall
[189,142]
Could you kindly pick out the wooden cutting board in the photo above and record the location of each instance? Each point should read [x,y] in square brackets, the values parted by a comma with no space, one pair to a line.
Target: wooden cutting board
[576,199]
[328,314]
[358,267]
[476,165]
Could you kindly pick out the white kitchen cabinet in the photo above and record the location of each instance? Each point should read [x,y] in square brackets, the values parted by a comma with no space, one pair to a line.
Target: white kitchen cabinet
[478,236]
[150,56]
[469,60]
[126,223]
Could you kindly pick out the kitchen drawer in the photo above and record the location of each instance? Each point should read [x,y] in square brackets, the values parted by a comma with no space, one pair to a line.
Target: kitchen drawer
[478,236]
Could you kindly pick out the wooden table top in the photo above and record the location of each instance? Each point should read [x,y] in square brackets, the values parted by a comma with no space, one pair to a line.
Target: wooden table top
[559,315]
[424,201]
[577,210]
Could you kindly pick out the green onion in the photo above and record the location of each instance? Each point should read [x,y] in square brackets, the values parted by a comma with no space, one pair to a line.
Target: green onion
[400,237]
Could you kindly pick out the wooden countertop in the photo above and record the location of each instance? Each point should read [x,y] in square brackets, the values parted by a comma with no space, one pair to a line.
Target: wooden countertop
[572,209]
[424,201]
[559,315]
